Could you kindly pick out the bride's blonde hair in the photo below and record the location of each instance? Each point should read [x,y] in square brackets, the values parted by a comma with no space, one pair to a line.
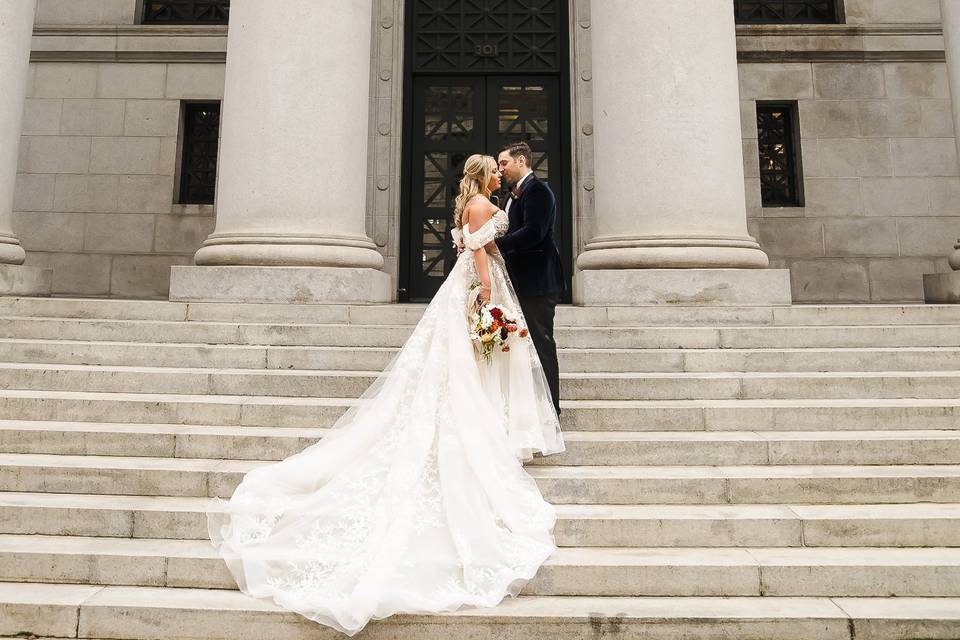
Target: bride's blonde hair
[477,171]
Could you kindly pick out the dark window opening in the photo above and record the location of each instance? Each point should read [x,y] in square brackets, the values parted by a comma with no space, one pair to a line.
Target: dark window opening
[787,11]
[781,182]
[198,173]
[186,11]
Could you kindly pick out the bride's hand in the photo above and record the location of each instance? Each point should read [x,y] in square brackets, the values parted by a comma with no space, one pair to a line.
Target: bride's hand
[484,296]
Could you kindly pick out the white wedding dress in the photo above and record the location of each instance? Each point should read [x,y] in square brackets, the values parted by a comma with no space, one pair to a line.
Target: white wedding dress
[417,500]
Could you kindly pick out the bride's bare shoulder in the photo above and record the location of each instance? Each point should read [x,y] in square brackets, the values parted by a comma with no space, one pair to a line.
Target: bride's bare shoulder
[479,209]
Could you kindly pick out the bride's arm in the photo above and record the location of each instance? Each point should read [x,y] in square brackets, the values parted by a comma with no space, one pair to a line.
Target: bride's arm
[483,270]
[476,219]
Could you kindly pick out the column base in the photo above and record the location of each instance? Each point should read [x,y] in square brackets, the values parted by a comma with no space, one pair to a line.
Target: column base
[10,250]
[941,288]
[669,252]
[17,280]
[686,287]
[289,285]
[231,250]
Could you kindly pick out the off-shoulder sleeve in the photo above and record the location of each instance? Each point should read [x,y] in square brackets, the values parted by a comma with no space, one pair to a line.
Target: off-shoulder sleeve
[483,236]
[457,235]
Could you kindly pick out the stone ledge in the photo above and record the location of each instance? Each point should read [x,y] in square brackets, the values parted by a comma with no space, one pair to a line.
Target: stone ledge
[679,287]
[755,43]
[25,281]
[942,288]
[852,43]
[297,285]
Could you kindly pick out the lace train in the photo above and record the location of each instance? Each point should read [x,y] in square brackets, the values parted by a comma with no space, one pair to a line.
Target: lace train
[416,501]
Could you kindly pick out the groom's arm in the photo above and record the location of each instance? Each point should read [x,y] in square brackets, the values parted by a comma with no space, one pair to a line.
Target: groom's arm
[536,221]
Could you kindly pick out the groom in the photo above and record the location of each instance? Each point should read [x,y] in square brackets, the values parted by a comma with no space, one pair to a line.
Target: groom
[531,254]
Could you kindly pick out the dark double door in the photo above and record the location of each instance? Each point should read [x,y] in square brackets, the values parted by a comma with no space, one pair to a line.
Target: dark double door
[452,118]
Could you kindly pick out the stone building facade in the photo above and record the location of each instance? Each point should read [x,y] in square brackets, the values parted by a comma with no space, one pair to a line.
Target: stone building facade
[97,196]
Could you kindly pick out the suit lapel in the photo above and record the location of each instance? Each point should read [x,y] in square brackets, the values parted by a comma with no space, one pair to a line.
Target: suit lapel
[516,206]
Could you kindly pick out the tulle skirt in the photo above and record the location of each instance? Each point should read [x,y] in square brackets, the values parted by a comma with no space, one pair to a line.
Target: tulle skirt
[416,501]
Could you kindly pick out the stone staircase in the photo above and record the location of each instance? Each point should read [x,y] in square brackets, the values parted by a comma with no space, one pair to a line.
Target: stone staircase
[754,473]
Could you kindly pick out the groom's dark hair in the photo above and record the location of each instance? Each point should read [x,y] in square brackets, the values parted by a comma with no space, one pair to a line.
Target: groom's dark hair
[517,149]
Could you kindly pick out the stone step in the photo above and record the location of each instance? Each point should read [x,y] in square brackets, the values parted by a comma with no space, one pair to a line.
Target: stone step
[820,484]
[145,613]
[748,525]
[573,386]
[607,337]
[571,571]
[760,484]
[160,354]
[578,415]
[582,447]
[865,314]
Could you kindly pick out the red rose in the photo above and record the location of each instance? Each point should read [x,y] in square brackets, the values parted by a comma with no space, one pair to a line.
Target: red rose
[524,333]
[496,313]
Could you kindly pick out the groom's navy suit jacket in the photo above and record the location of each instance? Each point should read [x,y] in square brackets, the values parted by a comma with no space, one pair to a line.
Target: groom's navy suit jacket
[528,247]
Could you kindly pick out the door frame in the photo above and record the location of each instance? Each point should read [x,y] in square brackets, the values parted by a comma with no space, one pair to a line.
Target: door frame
[565,204]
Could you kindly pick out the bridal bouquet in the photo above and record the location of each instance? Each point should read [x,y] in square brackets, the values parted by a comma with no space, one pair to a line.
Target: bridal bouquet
[491,326]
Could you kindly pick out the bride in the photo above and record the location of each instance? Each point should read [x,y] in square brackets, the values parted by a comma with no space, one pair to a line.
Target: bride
[417,500]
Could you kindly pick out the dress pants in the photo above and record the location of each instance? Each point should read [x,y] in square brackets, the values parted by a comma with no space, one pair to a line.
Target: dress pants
[539,312]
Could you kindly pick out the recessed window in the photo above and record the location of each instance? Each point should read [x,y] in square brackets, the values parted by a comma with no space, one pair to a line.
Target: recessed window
[781,181]
[198,170]
[787,11]
[186,11]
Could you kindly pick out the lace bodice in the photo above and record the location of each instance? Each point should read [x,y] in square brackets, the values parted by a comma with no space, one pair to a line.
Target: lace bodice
[493,228]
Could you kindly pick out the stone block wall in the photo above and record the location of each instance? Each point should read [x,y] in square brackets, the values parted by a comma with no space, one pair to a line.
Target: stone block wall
[96,184]
[881,177]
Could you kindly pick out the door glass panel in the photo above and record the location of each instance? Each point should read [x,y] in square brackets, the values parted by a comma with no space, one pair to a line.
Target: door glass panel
[447,130]
[541,165]
[435,241]
[448,113]
[434,179]
[525,109]
[523,112]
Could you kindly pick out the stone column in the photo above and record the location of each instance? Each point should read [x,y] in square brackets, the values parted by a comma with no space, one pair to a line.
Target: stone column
[945,287]
[291,189]
[16,35]
[670,200]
